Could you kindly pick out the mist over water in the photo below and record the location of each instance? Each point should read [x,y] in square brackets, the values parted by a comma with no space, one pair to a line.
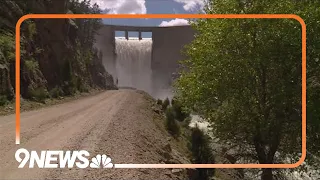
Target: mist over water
[133,63]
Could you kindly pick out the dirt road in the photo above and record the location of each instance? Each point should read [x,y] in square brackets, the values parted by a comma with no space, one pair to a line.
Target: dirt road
[120,123]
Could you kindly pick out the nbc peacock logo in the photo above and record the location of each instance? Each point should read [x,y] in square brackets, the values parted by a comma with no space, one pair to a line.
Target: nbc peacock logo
[101,161]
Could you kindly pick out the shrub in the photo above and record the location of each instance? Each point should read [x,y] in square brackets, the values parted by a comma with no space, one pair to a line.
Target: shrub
[83,87]
[187,121]
[173,101]
[7,45]
[202,153]
[69,88]
[159,102]
[38,94]
[31,65]
[165,104]
[80,84]
[56,92]
[180,114]
[171,124]
[3,100]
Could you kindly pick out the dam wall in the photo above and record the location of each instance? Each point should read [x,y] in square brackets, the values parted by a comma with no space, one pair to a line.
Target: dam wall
[167,46]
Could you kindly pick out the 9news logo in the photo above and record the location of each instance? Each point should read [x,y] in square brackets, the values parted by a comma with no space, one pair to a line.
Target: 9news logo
[61,159]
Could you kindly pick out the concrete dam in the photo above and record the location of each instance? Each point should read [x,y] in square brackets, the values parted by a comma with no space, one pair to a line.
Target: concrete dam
[148,64]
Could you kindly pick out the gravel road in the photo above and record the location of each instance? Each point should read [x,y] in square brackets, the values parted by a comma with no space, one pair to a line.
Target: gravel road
[119,123]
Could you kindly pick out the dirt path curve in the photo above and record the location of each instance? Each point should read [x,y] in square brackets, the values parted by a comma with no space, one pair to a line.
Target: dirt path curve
[118,123]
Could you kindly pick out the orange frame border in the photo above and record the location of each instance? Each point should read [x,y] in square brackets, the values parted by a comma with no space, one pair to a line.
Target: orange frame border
[172,16]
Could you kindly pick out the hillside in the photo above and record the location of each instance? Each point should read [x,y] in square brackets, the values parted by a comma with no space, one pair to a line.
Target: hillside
[57,55]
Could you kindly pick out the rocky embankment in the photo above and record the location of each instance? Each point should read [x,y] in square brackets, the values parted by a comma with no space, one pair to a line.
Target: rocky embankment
[57,55]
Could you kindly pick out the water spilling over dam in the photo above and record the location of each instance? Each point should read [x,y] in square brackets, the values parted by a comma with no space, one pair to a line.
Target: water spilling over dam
[145,64]
[133,63]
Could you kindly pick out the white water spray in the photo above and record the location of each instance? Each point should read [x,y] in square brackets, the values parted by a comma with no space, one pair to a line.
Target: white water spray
[133,63]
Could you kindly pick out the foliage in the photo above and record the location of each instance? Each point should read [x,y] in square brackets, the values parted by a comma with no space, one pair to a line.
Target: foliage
[32,30]
[187,121]
[7,46]
[3,100]
[165,104]
[69,87]
[245,76]
[38,94]
[31,65]
[179,113]
[87,27]
[159,102]
[171,124]
[55,53]
[56,92]
[202,153]
[83,87]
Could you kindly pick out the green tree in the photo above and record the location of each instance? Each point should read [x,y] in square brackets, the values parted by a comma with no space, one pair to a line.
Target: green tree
[159,102]
[171,124]
[245,76]
[202,153]
[165,104]
[179,111]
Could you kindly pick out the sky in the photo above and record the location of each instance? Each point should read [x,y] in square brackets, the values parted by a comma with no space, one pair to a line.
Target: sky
[149,7]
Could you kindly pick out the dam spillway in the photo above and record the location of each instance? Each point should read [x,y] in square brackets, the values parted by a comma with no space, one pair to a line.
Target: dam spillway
[133,63]
[165,49]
